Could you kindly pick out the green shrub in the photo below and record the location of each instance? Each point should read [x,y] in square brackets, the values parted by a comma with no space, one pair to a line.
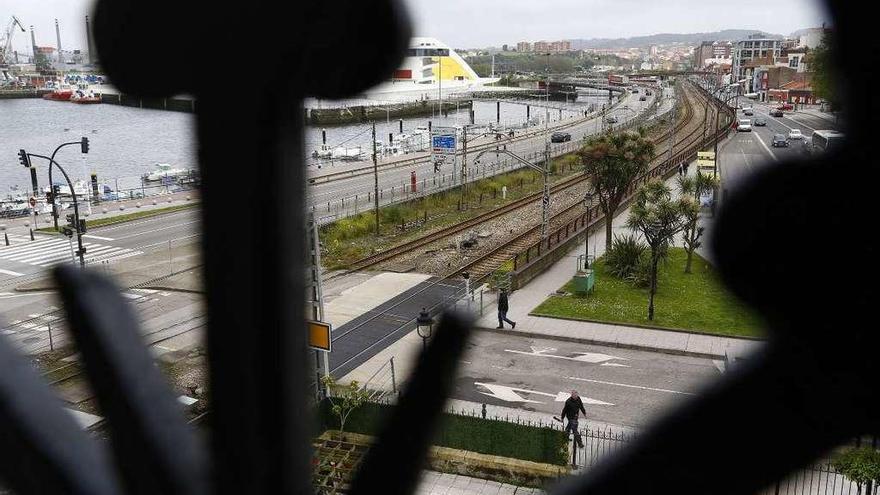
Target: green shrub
[624,257]
[474,434]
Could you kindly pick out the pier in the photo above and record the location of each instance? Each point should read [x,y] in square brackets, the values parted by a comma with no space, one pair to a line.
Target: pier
[368,113]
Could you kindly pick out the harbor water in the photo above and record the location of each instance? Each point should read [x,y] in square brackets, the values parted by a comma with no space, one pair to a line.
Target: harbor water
[127,143]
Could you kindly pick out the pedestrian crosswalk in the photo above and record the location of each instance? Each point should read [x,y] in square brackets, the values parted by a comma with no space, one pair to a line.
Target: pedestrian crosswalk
[50,251]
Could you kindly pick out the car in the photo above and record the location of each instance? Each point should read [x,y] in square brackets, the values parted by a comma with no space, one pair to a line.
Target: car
[648,92]
[759,122]
[748,111]
[560,137]
[611,120]
[744,125]
[776,113]
[635,91]
[779,141]
[795,134]
[785,106]
[643,98]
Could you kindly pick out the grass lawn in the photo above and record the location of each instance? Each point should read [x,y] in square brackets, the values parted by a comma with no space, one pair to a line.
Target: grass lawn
[126,217]
[695,302]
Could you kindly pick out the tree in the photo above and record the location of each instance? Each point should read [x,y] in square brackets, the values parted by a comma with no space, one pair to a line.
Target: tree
[822,66]
[658,218]
[860,466]
[42,62]
[613,161]
[691,188]
[344,399]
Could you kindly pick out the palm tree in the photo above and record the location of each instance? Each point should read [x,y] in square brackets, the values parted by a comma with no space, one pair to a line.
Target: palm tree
[691,188]
[613,161]
[659,218]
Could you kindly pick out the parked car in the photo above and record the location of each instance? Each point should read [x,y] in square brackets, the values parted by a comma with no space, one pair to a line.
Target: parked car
[748,111]
[560,137]
[776,113]
[779,141]
[759,122]
[635,90]
[785,106]
[611,120]
[643,98]
[744,125]
[795,134]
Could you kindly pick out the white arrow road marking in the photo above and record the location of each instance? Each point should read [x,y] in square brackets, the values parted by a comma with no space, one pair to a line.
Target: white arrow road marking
[563,396]
[629,386]
[509,394]
[541,350]
[91,236]
[618,365]
[10,273]
[585,357]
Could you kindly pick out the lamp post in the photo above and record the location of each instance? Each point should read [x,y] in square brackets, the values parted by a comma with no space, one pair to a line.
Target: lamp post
[588,204]
[424,326]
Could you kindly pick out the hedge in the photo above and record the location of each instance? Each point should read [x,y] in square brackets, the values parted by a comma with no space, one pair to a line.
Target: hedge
[474,434]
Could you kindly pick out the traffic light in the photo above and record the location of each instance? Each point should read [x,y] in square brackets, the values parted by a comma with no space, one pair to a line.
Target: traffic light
[49,197]
[84,144]
[82,226]
[24,159]
[71,220]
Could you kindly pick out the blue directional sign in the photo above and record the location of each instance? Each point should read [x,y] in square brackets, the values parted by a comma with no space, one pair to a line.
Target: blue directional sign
[444,144]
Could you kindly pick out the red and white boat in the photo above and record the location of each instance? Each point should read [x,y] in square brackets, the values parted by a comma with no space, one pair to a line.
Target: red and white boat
[59,94]
[85,95]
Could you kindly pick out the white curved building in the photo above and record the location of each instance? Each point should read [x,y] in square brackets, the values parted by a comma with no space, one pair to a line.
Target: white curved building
[431,70]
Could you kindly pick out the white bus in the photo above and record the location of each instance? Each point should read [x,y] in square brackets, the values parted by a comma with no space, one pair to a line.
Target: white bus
[822,141]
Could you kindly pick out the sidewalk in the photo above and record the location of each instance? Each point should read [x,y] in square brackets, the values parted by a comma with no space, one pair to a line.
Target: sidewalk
[524,300]
[434,483]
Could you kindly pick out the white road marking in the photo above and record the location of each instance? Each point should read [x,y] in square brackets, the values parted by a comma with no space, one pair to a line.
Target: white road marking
[585,357]
[766,148]
[615,365]
[92,236]
[629,386]
[10,273]
[509,394]
[719,364]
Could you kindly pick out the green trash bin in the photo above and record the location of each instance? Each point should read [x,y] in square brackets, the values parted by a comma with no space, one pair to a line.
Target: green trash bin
[583,281]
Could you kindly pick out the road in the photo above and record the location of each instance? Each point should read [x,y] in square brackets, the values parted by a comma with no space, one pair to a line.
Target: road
[618,386]
[337,198]
[747,152]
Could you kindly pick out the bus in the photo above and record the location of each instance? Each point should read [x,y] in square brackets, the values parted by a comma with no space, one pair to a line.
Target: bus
[822,141]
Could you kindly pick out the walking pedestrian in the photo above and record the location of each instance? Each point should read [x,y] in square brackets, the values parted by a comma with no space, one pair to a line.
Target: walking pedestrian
[502,310]
[573,406]
[686,166]
[680,170]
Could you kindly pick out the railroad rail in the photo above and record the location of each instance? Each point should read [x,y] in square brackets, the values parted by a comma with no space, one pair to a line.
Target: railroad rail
[560,186]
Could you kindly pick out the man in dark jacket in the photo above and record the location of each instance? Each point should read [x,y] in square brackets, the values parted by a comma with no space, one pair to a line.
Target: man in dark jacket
[502,310]
[573,406]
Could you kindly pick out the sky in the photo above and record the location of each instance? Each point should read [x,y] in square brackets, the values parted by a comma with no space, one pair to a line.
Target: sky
[483,23]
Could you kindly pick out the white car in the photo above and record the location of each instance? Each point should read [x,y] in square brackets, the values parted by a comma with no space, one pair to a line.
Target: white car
[795,134]
[744,125]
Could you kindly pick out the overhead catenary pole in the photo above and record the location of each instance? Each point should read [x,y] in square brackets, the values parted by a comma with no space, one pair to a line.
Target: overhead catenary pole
[376,180]
[317,285]
[463,166]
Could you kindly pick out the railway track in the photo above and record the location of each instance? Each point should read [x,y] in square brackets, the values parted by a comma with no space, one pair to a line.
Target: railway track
[439,234]
[487,263]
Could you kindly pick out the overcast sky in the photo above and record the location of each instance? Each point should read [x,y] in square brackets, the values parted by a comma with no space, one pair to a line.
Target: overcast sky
[480,23]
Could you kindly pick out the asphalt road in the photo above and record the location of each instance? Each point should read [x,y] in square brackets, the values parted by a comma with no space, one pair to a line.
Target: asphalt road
[747,152]
[320,194]
[618,386]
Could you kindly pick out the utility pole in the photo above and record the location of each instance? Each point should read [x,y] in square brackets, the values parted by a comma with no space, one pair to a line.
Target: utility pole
[463,166]
[376,180]
[545,199]
[322,359]
[672,130]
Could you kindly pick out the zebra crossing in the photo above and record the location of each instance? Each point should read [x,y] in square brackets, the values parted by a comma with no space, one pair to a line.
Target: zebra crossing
[49,251]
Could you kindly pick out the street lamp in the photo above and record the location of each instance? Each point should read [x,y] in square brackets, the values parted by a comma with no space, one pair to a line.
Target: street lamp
[424,326]
[84,148]
[588,204]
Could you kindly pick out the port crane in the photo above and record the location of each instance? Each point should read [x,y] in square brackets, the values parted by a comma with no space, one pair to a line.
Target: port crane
[6,40]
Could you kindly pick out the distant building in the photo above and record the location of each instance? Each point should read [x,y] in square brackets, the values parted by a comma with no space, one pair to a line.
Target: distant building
[811,38]
[653,50]
[523,46]
[552,47]
[701,53]
[751,54]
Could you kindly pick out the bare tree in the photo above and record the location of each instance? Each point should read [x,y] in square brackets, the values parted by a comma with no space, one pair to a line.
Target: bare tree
[344,399]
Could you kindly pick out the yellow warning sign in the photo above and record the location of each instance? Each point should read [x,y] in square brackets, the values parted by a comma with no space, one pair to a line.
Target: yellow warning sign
[319,335]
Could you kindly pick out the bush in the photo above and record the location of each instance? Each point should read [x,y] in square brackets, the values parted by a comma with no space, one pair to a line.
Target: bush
[641,276]
[474,434]
[624,257]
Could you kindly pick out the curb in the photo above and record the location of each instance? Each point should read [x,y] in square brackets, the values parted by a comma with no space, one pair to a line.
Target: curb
[605,343]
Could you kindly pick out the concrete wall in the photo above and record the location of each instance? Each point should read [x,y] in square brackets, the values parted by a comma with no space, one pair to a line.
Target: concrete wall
[357,114]
[173,104]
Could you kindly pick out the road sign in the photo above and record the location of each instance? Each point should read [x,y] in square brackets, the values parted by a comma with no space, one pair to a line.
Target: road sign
[319,335]
[444,141]
[546,200]
[32,201]
[705,155]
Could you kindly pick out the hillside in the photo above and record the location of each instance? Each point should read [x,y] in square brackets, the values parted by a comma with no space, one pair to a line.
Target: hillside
[665,39]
